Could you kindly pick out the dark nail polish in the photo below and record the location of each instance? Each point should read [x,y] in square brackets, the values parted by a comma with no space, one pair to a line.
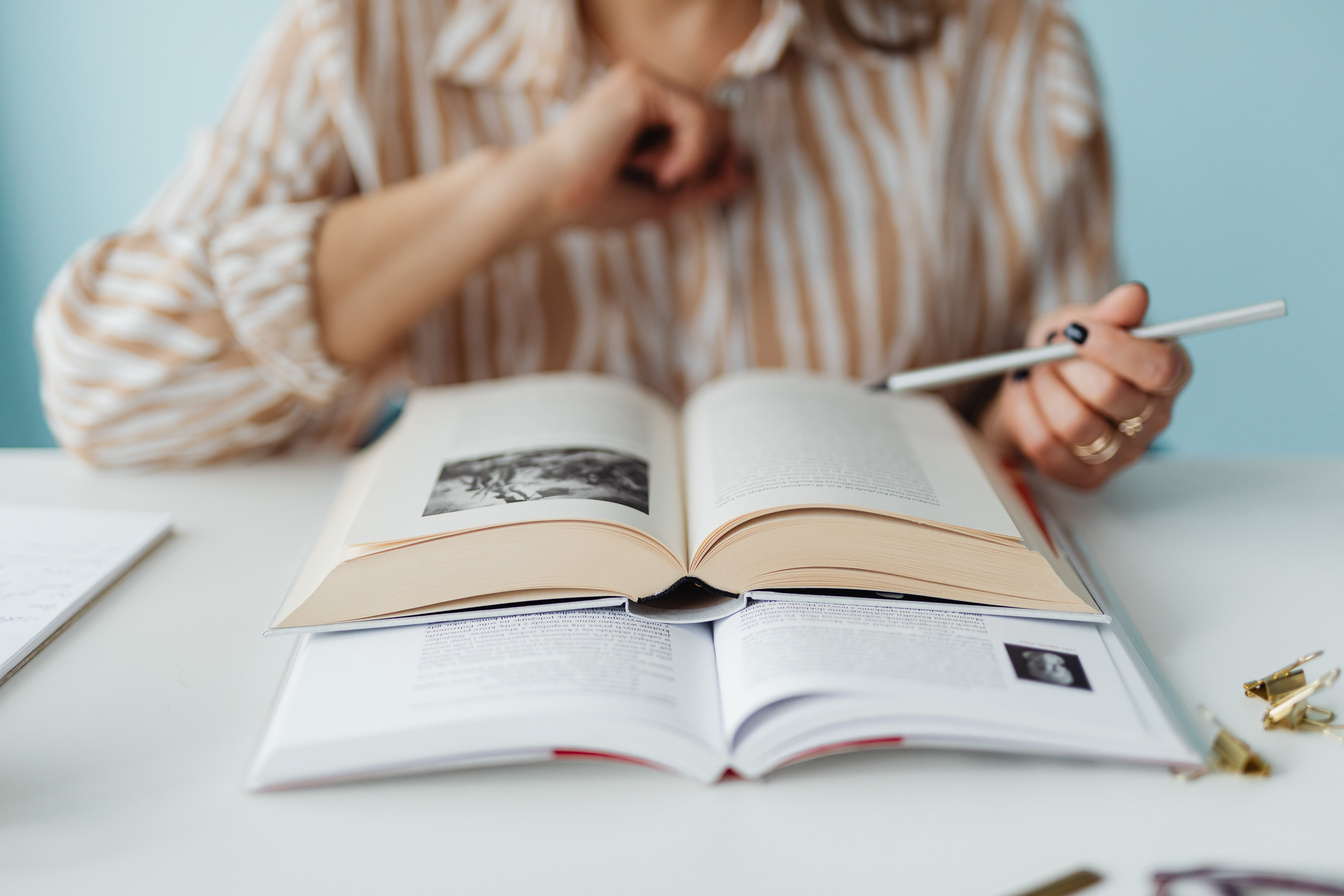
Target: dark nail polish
[1051,336]
[1021,374]
[1076,333]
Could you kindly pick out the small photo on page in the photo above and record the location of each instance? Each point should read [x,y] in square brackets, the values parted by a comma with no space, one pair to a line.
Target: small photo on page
[1048,666]
[595,474]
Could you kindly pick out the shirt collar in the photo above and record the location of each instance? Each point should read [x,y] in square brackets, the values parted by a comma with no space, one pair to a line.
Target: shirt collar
[539,44]
[532,44]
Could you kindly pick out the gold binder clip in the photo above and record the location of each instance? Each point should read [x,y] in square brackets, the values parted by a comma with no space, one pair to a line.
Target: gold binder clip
[1304,714]
[1319,722]
[1282,681]
[1290,710]
[1231,754]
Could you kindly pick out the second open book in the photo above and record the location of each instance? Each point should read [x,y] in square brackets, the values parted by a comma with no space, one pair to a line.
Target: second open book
[775,684]
[567,486]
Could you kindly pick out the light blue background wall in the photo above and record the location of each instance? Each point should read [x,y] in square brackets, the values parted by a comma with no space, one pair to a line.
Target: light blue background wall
[1228,123]
[97,99]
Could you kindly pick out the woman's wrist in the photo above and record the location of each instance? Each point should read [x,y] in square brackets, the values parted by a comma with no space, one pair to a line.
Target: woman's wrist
[529,173]
[511,187]
[543,189]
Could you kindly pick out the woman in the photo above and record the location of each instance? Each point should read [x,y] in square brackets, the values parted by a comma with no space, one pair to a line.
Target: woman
[440,190]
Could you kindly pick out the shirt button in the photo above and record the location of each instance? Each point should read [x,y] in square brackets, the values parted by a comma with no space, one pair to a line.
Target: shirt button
[729,95]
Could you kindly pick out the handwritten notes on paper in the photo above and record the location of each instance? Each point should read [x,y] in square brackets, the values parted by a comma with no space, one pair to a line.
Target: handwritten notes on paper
[54,560]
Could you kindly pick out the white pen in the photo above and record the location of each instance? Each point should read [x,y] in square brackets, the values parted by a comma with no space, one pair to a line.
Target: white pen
[1002,362]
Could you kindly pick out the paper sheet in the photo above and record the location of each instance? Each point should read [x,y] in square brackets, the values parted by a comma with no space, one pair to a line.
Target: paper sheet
[54,560]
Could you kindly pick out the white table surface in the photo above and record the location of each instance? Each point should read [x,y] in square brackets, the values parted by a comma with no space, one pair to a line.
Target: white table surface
[123,745]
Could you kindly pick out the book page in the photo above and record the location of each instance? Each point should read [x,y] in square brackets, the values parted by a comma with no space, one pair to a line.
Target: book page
[768,439]
[547,447]
[53,560]
[359,701]
[996,672]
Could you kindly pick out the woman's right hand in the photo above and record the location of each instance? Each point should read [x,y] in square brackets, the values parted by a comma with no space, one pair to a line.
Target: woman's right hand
[635,147]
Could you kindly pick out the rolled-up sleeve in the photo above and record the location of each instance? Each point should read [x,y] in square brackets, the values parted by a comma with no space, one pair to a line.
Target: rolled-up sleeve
[192,335]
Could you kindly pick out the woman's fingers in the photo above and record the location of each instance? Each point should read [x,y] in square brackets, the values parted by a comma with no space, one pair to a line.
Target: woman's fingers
[1110,395]
[1102,335]
[1106,408]
[1154,367]
[654,126]
[636,201]
[1117,370]
[1068,441]
[698,136]
[1073,421]
[1066,437]
[1124,306]
[635,147]
[1079,421]
[1037,440]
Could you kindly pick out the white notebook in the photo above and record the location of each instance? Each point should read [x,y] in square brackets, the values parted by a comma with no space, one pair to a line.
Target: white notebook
[54,561]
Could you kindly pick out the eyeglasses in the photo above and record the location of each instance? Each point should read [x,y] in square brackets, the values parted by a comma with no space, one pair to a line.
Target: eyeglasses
[1203,882]
[1223,882]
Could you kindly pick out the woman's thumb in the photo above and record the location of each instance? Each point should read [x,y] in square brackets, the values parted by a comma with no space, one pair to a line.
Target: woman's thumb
[1123,306]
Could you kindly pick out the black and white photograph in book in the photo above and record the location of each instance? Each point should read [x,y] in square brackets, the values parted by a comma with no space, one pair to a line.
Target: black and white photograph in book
[1048,666]
[594,474]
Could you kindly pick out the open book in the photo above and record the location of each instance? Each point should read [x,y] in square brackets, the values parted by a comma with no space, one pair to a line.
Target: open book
[571,486]
[776,683]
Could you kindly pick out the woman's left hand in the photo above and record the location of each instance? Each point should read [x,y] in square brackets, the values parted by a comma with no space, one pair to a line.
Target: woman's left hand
[1082,420]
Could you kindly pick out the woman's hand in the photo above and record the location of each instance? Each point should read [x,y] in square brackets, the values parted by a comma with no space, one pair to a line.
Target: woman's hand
[1082,420]
[634,147]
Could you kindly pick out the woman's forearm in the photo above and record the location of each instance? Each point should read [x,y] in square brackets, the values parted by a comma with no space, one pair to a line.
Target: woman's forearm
[386,260]
[383,261]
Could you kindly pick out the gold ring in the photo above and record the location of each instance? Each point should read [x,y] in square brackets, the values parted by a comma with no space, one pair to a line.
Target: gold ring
[1132,426]
[1100,450]
[1098,445]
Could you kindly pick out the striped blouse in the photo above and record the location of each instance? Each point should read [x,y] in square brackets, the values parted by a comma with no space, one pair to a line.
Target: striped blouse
[908,209]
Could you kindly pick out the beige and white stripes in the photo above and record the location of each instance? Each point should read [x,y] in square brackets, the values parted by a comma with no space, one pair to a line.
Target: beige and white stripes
[908,209]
